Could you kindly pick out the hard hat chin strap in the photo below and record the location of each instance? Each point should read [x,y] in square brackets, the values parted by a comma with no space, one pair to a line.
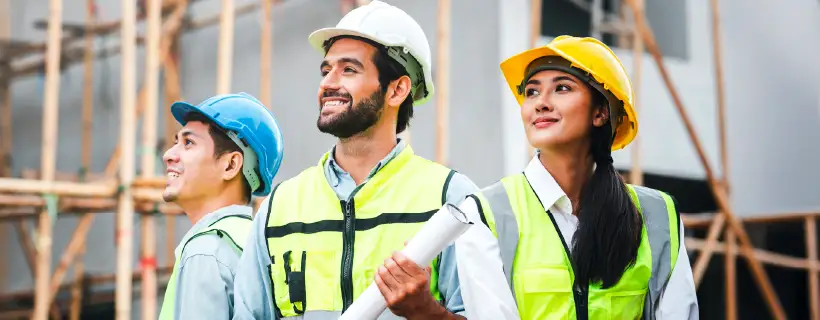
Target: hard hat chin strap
[249,164]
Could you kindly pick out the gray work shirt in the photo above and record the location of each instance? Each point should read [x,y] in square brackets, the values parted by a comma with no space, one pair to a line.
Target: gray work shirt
[253,283]
[206,270]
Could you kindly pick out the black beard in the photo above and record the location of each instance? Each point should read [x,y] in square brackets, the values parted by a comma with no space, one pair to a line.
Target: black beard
[354,119]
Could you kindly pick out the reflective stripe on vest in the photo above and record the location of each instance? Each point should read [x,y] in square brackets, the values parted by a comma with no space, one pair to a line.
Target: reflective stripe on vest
[325,252]
[233,228]
[497,207]
[334,315]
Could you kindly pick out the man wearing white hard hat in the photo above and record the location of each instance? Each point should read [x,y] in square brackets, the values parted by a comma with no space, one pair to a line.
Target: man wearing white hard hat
[321,238]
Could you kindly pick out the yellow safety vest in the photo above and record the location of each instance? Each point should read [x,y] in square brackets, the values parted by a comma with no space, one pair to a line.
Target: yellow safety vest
[233,228]
[325,252]
[537,264]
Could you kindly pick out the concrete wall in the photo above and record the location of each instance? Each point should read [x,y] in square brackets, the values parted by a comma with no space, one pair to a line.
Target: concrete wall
[473,110]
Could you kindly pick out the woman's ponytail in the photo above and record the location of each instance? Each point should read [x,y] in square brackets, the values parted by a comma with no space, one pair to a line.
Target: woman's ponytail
[609,225]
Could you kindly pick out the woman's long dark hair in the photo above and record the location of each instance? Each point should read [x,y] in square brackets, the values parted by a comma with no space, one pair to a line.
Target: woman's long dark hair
[609,225]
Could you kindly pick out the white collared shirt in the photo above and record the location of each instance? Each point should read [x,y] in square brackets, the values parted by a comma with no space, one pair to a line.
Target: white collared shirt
[483,284]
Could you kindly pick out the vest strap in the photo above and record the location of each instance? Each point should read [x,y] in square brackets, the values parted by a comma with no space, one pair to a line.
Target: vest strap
[506,226]
[655,213]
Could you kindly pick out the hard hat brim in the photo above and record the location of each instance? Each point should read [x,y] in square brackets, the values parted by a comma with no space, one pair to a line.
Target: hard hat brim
[180,109]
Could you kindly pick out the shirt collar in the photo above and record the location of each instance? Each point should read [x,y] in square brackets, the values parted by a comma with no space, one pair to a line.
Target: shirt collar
[546,188]
[334,171]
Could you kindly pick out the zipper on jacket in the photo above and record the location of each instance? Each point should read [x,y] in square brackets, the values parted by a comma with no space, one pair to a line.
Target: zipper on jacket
[348,235]
[579,294]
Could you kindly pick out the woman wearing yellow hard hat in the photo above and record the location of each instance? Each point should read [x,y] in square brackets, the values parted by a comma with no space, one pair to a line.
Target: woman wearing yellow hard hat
[571,240]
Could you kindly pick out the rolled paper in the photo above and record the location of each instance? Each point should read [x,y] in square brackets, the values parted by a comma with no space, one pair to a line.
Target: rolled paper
[446,225]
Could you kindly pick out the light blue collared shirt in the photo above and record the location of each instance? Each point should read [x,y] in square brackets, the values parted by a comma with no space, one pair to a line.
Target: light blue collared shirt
[206,271]
[252,286]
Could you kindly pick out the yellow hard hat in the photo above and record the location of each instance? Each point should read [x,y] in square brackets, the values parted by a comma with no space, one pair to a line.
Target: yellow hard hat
[592,61]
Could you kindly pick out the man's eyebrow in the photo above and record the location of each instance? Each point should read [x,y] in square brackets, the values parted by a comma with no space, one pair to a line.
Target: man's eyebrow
[352,61]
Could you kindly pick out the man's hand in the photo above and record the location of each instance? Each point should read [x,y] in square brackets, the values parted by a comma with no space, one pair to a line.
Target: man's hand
[406,288]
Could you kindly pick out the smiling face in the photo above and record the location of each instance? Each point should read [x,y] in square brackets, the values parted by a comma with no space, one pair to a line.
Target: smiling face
[192,170]
[558,110]
[350,98]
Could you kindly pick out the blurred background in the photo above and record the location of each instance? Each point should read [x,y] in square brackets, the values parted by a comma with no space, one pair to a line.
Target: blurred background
[88,111]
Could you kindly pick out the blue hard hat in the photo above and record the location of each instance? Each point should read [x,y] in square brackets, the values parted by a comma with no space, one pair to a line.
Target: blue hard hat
[251,126]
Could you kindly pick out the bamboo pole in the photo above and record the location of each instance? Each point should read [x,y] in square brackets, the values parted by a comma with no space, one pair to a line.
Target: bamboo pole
[5,93]
[125,221]
[759,274]
[74,246]
[731,254]
[5,126]
[60,188]
[223,77]
[443,80]
[706,254]
[88,117]
[265,53]
[535,34]
[810,225]
[731,275]
[149,137]
[636,173]
[172,93]
[49,150]
[5,121]
[171,30]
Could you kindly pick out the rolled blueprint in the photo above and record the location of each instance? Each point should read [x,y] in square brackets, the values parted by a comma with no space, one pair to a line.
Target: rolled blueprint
[442,229]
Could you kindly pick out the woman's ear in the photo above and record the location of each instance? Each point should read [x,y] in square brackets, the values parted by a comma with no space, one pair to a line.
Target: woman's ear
[600,116]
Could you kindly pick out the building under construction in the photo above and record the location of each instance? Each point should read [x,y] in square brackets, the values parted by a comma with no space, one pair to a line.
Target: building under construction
[727,96]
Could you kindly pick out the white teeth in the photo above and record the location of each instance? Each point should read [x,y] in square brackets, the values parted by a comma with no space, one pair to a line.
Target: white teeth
[333,103]
[173,175]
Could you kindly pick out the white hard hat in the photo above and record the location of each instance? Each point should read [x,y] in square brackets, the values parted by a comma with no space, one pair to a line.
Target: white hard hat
[396,30]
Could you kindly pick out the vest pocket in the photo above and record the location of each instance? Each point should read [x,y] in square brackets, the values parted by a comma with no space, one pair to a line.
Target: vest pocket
[622,305]
[305,280]
[544,292]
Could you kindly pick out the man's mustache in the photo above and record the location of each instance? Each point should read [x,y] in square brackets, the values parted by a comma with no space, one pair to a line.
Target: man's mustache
[336,93]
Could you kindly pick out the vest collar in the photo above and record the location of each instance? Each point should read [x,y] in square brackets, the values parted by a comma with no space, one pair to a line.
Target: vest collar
[212,217]
[546,188]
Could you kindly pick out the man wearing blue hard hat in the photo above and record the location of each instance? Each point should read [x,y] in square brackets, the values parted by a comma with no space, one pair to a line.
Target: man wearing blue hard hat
[322,237]
[228,150]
